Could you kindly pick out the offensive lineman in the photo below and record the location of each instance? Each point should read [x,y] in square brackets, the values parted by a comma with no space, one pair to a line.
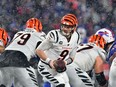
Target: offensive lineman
[93,55]
[4,41]
[14,61]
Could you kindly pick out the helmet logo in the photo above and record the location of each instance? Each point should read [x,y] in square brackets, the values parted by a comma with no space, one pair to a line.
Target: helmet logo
[60,42]
[103,33]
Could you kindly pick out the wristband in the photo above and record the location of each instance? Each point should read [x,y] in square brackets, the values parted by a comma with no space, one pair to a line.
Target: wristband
[69,61]
[47,60]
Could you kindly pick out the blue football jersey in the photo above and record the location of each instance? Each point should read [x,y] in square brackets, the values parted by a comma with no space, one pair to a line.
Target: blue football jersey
[111,52]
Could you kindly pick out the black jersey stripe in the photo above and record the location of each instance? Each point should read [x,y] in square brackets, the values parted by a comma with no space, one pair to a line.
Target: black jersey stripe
[52,35]
[78,37]
[56,36]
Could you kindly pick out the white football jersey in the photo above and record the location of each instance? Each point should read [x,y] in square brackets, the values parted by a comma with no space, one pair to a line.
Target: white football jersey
[26,42]
[86,56]
[56,45]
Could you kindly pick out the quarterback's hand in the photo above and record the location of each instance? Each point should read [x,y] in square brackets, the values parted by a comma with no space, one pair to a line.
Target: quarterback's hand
[59,65]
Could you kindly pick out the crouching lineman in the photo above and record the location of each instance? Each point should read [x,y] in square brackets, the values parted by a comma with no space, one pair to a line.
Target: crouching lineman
[4,41]
[14,61]
[93,55]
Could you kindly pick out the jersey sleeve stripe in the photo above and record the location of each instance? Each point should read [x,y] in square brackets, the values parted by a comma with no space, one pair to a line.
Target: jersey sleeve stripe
[78,37]
[56,36]
[89,47]
[52,35]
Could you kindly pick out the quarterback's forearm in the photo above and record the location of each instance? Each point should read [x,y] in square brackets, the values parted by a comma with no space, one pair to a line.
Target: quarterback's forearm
[41,54]
[44,57]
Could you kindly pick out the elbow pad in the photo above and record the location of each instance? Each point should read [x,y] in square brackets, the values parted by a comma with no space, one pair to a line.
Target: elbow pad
[101,78]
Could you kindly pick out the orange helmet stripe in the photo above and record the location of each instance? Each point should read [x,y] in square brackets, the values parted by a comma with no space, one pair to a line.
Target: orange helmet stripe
[98,40]
[69,19]
[34,23]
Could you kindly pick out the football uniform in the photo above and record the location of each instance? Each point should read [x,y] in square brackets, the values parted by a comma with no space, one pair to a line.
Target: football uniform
[15,59]
[112,73]
[112,50]
[57,46]
[87,54]
[4,40]
[85,58]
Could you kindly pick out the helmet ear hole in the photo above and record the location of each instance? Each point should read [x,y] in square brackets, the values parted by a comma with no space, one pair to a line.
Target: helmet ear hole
[34,23]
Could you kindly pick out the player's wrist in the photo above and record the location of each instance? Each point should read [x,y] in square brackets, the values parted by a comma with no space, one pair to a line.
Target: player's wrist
[47,60]
[69,61]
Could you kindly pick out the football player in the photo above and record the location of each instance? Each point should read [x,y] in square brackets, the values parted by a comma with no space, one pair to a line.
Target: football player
[111,60]
[93,55]
[14,61]
[4,41]
[59,44]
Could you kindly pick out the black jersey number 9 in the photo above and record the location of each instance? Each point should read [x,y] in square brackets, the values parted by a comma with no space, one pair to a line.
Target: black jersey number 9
[64,54]
[23,38]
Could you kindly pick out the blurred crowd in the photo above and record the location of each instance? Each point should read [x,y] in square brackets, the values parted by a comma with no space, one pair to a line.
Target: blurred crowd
[92,14]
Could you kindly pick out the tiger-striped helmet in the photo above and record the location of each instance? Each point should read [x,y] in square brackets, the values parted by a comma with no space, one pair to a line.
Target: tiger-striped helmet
[69,19]
[4,36]
[68,24]
[34,23]
[98,40]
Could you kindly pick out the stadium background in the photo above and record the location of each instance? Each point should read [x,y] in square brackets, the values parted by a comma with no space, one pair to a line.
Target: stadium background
[92,14]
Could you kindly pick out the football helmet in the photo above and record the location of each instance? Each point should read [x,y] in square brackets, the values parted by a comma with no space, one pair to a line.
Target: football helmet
[4,36]
[69,19]
[98,40]
[35,24]
[68,24]
[106,34]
